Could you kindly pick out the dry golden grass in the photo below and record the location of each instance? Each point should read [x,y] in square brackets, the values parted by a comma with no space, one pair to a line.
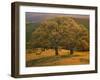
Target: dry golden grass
[48,58]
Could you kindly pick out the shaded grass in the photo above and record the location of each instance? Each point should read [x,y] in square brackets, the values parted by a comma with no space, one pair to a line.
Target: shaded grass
[43,60]
[84,60]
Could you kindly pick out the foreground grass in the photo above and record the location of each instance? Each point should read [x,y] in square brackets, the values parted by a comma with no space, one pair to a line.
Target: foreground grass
[48,58]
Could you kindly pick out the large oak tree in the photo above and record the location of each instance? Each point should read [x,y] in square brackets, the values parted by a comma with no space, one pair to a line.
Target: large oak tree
[60,32]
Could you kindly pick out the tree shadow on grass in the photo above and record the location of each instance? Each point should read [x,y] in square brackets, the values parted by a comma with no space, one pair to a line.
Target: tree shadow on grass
[40,61]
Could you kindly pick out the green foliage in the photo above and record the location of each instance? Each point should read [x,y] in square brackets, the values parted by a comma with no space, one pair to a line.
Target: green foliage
[30,27]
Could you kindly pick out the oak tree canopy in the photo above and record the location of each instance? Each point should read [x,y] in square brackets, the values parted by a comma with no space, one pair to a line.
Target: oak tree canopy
[60,32]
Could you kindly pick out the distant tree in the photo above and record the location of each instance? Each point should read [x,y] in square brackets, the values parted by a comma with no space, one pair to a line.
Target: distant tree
[60,32]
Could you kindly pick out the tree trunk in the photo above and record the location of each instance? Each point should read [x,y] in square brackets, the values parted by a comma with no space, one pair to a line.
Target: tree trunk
[56,51]
[71,52]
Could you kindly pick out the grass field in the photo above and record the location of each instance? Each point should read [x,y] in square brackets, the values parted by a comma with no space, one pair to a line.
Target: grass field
[48,58]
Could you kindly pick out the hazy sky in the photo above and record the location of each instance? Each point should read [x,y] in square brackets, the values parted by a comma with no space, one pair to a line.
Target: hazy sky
[32,17]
